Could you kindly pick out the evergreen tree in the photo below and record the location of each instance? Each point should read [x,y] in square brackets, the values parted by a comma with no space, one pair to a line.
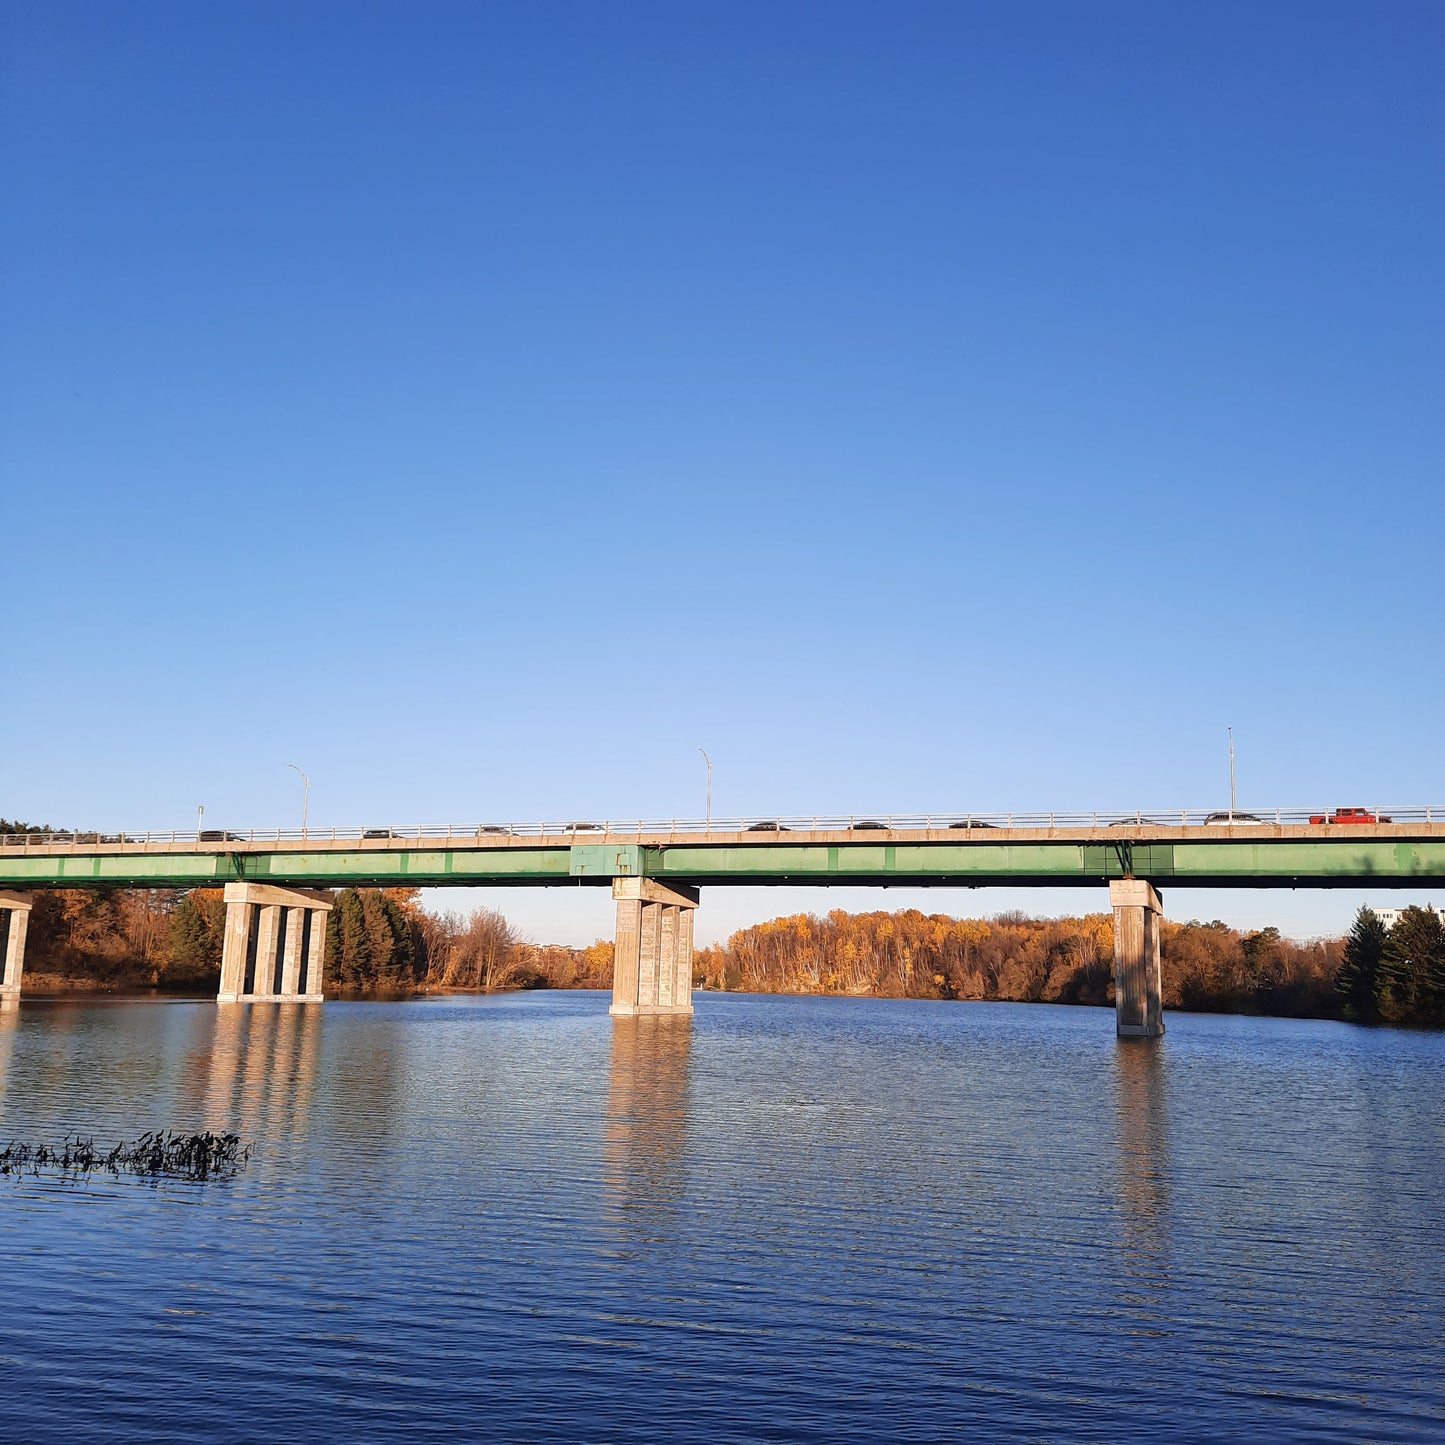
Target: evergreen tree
[1358,980]
[380,939]
[348,949]
[1413,968]
[194,934]
[373,941]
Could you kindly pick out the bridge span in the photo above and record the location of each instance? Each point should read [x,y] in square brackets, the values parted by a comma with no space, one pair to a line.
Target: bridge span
[276,883]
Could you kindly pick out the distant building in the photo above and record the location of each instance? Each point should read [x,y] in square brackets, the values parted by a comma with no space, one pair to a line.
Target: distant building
[1391,916]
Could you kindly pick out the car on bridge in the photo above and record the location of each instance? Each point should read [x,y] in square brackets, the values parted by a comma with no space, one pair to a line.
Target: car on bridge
[215,835]
[1230,820]
[767,826]
[971,823]
[1350,815]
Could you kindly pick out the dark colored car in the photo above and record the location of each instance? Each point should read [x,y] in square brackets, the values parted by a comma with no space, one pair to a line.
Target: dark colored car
[868,825]
[765,827]
[972,823]
[584,828]
[217,835]
[379,833]
[492,829]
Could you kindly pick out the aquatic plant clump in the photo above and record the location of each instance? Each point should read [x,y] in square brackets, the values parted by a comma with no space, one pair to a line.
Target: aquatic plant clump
[157,1156]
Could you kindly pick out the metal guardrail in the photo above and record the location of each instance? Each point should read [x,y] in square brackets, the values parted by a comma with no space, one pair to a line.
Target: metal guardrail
[697,827]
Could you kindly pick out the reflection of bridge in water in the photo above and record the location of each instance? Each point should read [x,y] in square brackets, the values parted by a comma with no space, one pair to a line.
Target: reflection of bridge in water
[1143,1176]
[261,1070]
[646,1132]
[255,1072]
[277,884]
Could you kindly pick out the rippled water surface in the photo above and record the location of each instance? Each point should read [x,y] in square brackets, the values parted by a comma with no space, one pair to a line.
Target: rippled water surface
[796,1219]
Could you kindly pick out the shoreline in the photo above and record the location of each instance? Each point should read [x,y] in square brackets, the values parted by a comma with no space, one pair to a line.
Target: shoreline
[59,988]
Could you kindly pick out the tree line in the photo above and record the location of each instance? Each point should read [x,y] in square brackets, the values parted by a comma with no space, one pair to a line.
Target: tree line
[378,941]
[1012,957]
[381,941]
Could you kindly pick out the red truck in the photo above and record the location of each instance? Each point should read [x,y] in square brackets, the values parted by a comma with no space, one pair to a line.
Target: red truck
[1350,815]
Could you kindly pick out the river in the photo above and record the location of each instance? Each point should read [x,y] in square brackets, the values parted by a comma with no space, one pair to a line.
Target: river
[791,1219]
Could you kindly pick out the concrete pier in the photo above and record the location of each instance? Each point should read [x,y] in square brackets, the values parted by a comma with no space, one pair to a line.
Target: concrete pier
[652,968]
[1138,1004]
[14,924]
[274,947]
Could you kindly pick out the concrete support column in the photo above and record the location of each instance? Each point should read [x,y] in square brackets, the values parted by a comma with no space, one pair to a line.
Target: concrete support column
[268,928]
[1138,1004]
[291,955]
[234,943]
[652,962]
[311,984]
[14,925]
[667,953]
[648,943]
[270,925]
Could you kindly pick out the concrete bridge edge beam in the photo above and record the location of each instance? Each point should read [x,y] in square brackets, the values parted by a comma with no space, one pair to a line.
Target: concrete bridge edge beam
[1138,993]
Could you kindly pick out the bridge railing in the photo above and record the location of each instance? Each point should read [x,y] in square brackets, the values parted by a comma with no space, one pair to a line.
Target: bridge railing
[580,830]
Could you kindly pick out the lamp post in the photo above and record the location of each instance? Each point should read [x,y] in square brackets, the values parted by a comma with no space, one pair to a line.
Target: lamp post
[200,813]
[1231,776]
[306,802]
[708,761]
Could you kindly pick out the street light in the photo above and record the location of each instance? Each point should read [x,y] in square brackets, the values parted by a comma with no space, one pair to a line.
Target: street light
[306,803]
[708,761]
[200,813]
[1231,775]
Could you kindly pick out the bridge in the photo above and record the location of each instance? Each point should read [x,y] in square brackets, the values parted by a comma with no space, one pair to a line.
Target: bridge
[277,882]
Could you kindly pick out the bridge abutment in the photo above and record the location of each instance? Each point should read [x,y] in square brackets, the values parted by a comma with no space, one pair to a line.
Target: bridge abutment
[652,961]
[1138,1000]
[274,948]
[14,925]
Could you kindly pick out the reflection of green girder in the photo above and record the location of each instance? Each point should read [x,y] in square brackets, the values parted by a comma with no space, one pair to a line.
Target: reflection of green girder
[1186,857]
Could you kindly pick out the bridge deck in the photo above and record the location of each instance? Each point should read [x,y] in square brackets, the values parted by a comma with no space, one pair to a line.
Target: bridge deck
[1267,855]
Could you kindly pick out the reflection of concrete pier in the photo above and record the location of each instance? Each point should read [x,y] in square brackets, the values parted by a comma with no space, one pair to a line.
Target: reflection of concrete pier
[1143,1143]
[646,1133]
[9,1027]
[261,1070]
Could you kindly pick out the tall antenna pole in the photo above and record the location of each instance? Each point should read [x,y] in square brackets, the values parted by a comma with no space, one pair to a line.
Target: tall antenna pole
[1231,775]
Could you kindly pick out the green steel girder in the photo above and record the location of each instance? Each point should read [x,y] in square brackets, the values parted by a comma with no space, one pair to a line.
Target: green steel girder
[1271,862]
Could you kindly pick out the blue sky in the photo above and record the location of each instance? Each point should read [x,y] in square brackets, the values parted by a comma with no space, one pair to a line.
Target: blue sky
[921,407]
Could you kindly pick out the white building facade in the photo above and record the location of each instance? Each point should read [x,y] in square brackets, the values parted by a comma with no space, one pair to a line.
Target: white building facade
[1390,916]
